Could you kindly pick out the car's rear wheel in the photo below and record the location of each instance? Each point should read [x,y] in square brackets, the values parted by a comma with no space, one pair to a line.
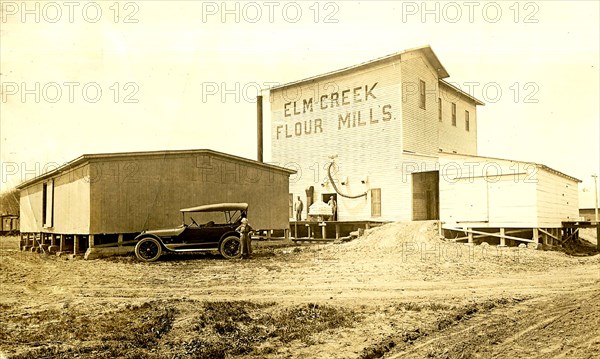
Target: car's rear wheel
[231,247]
[148,249]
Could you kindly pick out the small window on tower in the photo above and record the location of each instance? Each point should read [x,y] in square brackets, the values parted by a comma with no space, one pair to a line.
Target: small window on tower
[453,114]
[422,93]
[440,109]
[467,125]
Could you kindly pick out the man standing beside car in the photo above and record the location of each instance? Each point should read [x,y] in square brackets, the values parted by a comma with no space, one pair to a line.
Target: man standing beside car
[244,229]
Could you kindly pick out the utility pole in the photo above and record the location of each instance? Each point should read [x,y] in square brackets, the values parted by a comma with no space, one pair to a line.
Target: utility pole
[596,193]
[596,212]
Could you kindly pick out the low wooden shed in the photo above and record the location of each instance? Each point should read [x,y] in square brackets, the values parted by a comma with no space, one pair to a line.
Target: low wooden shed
[106,199]
[506,198]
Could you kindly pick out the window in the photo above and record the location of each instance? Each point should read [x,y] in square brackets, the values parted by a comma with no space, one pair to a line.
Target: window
[47,203]
[453,114]
[440,109]
[467,125]
[376,202]
[291,205]
[422,93]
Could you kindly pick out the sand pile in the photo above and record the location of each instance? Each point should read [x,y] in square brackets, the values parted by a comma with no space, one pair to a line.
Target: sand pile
[415,248]
[390,240]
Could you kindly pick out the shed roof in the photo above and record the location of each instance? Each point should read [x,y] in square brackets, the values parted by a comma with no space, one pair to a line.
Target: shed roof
[461,92]
[426,50]
[165,153]
[538,165]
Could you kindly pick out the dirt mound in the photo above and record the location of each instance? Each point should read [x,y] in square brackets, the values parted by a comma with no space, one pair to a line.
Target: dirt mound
[416,250]
[393,237]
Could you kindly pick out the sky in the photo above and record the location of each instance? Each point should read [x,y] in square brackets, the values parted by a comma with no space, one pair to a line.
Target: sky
[106,76]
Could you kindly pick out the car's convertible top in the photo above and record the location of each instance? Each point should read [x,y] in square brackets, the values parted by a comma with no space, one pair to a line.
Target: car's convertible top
[218,207]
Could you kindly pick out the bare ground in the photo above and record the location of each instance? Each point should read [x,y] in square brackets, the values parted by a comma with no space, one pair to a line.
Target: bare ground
[398,292]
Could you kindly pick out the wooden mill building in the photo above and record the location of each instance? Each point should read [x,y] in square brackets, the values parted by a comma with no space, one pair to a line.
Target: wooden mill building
[379,136]
[105,200]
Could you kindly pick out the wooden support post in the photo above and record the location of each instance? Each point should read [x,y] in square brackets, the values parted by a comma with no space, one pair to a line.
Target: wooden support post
[61,243]
[43,242]
[598,236]
[544,238]
[502,238]
[559,234]
[53,247]
[286,234]
[296,230]
[535,237]
[367,226]
[323,232]
[470,236]
[337,231]
[120,240]
[91,241]
[75,243]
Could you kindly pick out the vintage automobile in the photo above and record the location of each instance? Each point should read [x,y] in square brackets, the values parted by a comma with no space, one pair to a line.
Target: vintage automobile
[193,237]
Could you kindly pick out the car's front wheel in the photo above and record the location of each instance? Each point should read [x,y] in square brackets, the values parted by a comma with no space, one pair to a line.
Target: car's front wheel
[148,249]
[231,247]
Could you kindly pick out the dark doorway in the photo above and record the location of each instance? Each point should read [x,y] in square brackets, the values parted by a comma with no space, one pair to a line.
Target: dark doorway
[310,196]
[326,197]
[426,194]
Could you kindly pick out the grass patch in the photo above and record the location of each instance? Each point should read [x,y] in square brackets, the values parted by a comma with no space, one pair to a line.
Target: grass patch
[242,327]
[124,331]
[419,307]
[455,314]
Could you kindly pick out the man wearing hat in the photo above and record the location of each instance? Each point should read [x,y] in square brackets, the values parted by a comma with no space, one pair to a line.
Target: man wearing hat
[244,229]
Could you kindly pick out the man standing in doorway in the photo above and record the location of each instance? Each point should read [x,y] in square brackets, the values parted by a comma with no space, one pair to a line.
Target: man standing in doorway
[299,209]
[333,205]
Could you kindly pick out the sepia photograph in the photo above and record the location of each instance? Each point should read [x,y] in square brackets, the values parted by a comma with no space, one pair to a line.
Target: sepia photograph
[299,179]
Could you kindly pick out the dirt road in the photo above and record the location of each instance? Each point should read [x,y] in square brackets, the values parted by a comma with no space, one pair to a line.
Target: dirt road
[398,292]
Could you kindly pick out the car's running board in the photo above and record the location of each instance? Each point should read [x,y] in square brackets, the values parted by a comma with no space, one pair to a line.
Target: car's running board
[194,250]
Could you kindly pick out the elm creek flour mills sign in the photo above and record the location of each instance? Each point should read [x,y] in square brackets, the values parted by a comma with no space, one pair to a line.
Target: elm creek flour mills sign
[355,107]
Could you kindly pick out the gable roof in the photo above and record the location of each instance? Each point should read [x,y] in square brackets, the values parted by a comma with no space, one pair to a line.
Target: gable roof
[425,50]
[165,153]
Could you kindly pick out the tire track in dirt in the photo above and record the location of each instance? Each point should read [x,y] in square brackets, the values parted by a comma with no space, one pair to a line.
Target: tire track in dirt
[534,329]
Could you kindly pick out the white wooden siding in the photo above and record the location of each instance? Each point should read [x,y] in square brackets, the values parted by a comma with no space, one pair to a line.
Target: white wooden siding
[71,205]
[420,132]
[519,194]
[373,150]
[457,138]
[557,199]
